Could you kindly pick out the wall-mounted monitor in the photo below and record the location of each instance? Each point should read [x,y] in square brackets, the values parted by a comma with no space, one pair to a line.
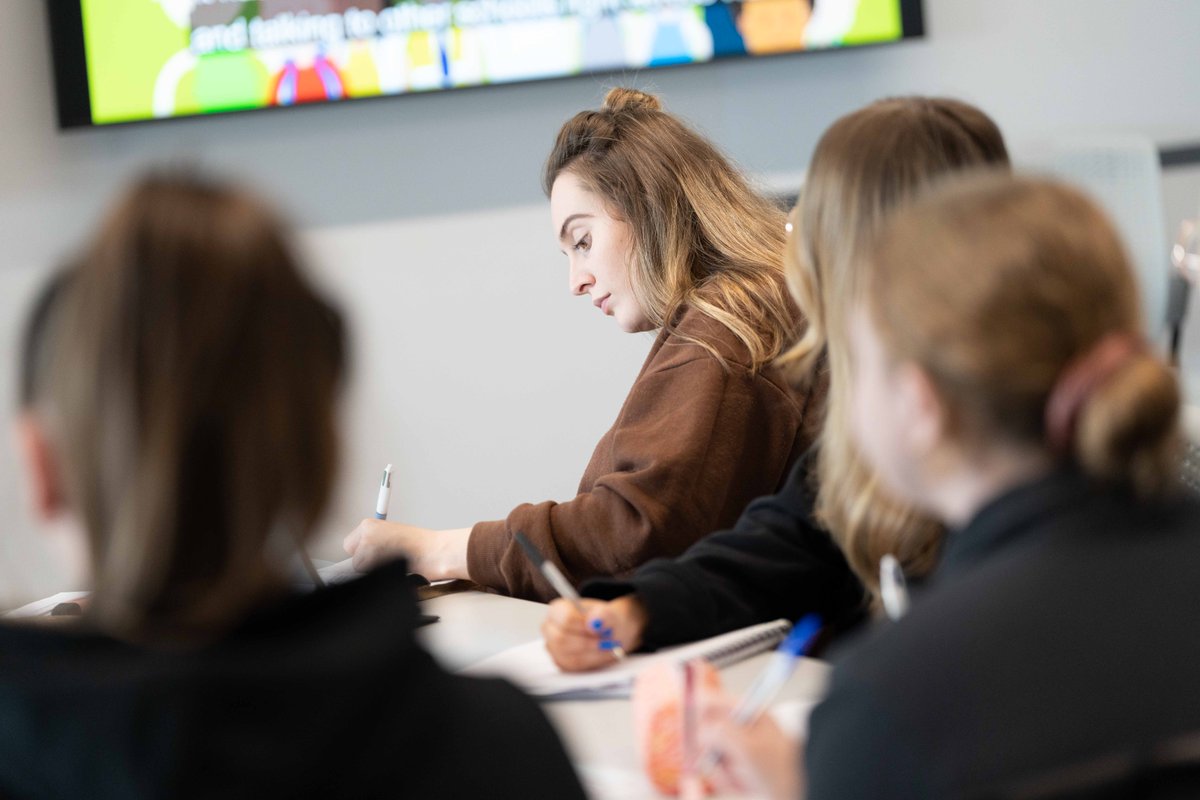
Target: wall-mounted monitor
[122,61]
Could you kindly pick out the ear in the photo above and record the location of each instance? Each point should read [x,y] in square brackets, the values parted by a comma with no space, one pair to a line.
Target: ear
[924,415]
[40,465]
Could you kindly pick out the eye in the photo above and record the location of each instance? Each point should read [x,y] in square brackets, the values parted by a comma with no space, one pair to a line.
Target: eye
[584,244]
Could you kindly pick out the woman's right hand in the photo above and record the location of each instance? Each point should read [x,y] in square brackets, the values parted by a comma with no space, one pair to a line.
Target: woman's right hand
[578,644]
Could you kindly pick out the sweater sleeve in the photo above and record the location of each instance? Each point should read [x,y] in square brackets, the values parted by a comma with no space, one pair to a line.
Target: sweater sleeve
[693,439]
[775,562]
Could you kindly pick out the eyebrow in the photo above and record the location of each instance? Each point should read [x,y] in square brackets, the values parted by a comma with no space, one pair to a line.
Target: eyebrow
[562,232]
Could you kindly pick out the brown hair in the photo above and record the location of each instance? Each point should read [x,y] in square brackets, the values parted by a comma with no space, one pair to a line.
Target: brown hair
[192,391]
[702,237]
[866,165]
[997,287]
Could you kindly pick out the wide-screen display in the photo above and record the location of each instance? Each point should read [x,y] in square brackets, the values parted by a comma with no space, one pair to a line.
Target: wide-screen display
[129,60]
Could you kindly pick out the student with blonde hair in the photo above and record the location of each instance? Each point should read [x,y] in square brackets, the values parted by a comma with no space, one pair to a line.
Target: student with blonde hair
[179,388]
[779,559]
[663,234]
[1003,387]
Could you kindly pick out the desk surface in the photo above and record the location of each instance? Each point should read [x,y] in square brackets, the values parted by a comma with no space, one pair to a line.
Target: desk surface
[598,733]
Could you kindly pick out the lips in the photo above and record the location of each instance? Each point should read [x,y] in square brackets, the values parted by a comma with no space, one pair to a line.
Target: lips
[603,303]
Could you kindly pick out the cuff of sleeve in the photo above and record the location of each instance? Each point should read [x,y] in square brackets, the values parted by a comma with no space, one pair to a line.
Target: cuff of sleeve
[670,606]
[485,549]
[606,588]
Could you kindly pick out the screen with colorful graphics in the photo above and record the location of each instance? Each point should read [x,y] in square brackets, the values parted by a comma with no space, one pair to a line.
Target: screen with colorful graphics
[130,60]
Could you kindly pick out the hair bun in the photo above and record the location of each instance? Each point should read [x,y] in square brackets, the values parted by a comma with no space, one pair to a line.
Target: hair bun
[623,98]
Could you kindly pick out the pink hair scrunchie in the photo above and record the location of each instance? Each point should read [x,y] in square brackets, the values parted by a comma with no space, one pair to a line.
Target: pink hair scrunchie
[1080,379]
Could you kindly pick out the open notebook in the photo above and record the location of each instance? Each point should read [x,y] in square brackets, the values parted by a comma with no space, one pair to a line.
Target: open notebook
[530,666]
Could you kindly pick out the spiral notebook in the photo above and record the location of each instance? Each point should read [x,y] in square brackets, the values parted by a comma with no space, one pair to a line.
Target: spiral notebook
[530,667]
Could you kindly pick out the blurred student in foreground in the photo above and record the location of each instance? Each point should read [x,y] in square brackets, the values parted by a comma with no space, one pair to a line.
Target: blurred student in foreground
[1002,385]
[179,393]
[782,557]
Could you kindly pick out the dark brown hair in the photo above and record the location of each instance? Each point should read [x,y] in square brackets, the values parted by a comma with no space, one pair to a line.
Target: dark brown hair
[192,392]
[702,237]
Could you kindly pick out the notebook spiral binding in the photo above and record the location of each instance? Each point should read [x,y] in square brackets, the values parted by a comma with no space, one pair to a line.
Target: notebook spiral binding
[751,645]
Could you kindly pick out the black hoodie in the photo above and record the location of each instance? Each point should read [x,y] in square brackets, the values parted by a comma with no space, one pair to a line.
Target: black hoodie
[321,695]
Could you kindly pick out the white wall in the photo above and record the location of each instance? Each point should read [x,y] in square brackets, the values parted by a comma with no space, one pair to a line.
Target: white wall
[476,373]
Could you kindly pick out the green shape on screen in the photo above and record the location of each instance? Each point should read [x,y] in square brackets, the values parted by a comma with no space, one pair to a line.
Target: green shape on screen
[229,82]
[875,21]
[128,42]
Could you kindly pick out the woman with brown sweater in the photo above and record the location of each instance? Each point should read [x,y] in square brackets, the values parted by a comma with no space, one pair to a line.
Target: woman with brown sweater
[662,233]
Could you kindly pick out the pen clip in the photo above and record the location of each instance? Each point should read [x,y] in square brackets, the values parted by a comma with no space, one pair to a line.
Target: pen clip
[893,590]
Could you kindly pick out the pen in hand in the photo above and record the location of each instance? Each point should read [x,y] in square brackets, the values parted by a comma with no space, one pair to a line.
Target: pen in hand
[561,585]
[770,681]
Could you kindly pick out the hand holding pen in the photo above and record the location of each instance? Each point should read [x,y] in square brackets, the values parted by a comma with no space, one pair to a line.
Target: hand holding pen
[436,555]
[736,725]
[565,590]
[759,758]
[578,641]
[582,623]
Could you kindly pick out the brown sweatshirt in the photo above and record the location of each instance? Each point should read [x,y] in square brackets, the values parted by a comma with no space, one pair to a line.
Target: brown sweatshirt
[694,443]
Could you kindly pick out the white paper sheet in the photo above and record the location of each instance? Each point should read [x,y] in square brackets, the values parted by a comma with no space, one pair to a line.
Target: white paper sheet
[530,666]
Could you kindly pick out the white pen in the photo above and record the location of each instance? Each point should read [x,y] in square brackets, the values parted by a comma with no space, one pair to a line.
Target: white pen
[892,589]
[385,493]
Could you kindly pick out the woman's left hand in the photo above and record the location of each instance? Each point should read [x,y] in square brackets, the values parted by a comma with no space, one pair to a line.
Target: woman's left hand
[437,555]
[758,757]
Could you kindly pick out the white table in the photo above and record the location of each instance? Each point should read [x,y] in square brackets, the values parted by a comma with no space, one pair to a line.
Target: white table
[598,734]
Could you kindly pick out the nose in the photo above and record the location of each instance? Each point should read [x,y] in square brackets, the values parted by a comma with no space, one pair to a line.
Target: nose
[580,279]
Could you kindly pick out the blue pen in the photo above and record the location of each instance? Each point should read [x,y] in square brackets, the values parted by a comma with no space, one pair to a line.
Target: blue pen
[770,681]
[783,662]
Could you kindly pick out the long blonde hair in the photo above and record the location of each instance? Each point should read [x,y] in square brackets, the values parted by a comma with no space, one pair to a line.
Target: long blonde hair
[1040,263]
[866,165]
[702,237]
[190,390]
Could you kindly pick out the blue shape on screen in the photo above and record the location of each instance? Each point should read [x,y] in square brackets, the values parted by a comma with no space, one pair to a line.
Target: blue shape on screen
[286,94]
[669,46]
[445,59]
[727,41]
[329,78]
